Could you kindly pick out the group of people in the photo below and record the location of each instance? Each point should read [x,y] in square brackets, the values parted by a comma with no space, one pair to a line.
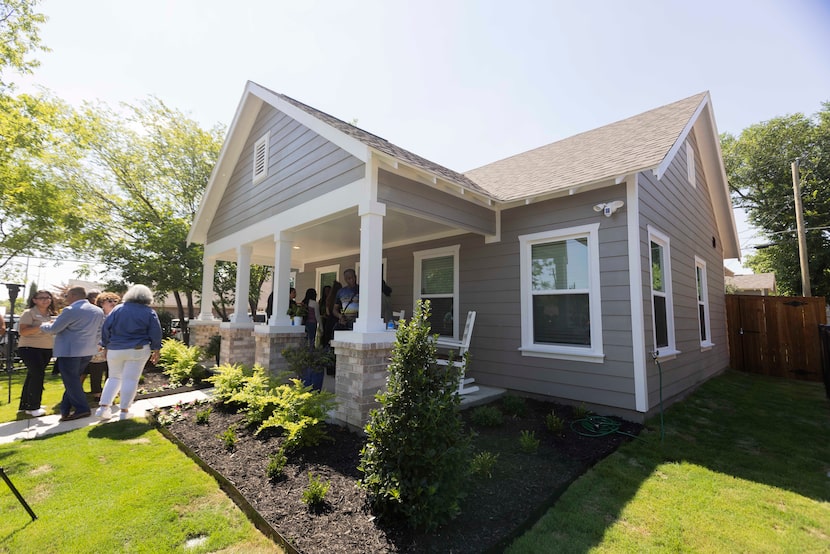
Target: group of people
[93,335]
[338,308]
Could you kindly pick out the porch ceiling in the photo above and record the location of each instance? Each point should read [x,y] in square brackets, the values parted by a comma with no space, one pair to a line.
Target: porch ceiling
[339,236]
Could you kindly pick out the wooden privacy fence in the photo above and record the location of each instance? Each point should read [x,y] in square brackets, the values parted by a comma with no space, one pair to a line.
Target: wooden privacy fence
[776,335]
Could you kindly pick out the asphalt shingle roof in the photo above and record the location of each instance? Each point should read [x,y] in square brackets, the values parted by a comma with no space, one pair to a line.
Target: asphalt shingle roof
[633,144]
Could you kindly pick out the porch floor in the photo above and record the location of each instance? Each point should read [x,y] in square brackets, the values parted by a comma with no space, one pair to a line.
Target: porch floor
[484,394]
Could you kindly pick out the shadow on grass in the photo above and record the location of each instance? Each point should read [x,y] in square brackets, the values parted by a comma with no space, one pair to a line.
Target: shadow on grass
[755,428]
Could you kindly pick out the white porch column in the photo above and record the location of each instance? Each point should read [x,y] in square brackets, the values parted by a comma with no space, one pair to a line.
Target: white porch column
[282,280]
[369,318]
[208,266]
[243,284]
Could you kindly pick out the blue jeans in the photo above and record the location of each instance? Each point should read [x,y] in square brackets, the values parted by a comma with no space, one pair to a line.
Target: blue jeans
[311,333]
[73,395]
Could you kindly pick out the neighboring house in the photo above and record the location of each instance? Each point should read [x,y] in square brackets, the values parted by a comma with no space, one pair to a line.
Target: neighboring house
[582,258]
[757,284]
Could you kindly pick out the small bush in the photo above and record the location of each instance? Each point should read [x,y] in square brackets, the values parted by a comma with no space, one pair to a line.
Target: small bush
[483,463]
[181,363]
[315,494]
[228,380]
[514,405]
[228,437]
[528,442]
[487,416]
[203,416]
[299,411]
[213,348]
[276,465]
[554,423]
[580,412]
[416,459]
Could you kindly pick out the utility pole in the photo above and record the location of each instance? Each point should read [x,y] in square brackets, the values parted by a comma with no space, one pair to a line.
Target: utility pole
[802,237]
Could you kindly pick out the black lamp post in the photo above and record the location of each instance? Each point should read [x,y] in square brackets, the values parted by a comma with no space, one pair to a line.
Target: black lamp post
[11,334]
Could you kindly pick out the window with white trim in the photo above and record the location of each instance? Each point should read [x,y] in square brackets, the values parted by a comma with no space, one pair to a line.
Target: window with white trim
[560,294]
[436,280]
[690,164]
[261,159]
[703,303]
[662,311]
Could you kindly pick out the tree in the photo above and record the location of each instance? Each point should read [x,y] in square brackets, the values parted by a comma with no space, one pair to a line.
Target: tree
[141,176]
[758,167]
[19,37]
[224,286]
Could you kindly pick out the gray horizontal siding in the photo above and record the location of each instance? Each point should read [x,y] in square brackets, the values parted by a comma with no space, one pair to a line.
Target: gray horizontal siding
[685,214]
[302,166]
[413,197]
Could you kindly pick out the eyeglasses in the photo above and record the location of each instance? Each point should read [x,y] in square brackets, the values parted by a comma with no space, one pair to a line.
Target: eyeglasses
[110,301]
[43,298]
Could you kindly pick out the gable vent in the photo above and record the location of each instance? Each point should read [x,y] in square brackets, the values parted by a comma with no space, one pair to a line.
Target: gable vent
[261,159]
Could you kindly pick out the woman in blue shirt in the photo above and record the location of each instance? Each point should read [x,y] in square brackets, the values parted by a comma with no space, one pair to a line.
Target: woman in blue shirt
[131,335]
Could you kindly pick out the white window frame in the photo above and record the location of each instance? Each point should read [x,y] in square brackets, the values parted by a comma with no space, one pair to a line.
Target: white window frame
[690,164]
[260,161]
[592,353]
[670,351]
[325,269]
[422,255]
[702,285]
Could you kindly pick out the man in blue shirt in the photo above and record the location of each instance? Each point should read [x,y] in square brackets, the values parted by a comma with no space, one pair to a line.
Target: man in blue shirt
[77,332]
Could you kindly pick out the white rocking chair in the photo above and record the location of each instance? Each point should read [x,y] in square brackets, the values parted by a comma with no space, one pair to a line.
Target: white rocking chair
[460,347]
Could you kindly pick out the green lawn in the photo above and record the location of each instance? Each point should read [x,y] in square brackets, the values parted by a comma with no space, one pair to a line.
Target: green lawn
[51,395]
[744,467]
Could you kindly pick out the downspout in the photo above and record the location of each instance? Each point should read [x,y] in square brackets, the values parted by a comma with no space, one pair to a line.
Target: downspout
[635,283]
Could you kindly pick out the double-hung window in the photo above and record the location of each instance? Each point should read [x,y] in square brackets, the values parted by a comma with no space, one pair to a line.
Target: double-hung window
[661,293]
[560,294]
[703,304]
[436,280]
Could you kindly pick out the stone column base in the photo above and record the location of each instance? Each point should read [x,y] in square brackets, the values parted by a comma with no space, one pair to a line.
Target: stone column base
[238,343]
[361,372]
[201,331]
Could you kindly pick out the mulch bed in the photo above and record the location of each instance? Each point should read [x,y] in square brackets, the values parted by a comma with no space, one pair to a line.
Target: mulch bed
[494,512]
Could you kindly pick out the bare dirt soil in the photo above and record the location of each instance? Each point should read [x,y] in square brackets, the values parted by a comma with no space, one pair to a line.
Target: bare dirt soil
[494,512]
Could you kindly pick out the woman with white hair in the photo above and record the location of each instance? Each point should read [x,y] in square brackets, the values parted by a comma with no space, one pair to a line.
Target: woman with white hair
[131,335]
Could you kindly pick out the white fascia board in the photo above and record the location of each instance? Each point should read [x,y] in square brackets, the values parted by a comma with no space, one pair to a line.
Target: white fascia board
[235,138]
[335,136]
[715,173]
[664,165]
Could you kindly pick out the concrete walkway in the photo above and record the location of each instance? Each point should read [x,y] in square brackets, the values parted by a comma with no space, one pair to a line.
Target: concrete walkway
[33,427]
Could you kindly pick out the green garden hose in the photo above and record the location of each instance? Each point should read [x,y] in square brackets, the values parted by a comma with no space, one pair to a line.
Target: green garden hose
[598,426]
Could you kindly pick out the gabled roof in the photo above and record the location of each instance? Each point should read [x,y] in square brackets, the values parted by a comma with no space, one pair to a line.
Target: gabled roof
[634,144]
[646,141]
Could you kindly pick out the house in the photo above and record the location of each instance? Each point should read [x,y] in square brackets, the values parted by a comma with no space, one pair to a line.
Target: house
[757,284]
[586,260]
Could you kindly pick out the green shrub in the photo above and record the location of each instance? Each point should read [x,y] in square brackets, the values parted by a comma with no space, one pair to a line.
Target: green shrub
[276,465]
[580,412]
[416,459]
[228,380]
[514,405]
[554,423]
[254,396]
[301,357]
[228,437]
[483,463]
[299,411]
[315,494]
[182,363]
[487,416]
[528,442]
[213,348]
[203,416]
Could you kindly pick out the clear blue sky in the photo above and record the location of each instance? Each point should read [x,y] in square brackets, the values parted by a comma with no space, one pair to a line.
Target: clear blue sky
[462,83]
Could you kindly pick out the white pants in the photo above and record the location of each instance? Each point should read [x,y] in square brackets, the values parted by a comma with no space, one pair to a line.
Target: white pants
[125,367]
